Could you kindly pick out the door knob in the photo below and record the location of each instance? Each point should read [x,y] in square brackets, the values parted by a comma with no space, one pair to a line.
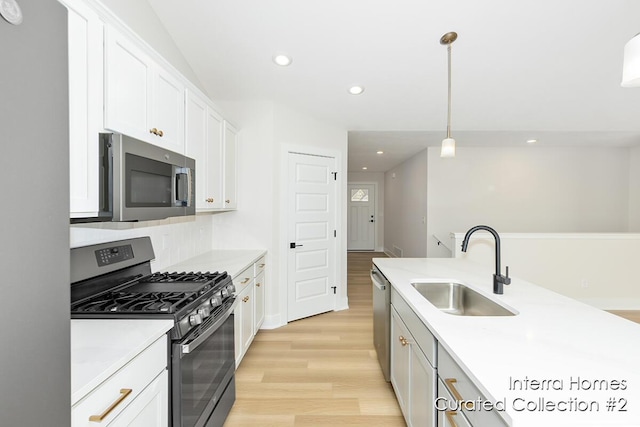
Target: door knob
[294,245]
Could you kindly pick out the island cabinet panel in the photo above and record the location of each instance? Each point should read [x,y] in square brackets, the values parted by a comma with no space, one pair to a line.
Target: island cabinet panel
[459,385]
[448,414]
[412,375]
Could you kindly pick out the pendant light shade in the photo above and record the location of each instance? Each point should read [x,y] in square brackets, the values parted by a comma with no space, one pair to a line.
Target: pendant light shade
[448,144]
[631,66]
[448,148]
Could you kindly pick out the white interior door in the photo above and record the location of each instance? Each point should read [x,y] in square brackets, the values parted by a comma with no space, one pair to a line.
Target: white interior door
[311,232]
[361,210]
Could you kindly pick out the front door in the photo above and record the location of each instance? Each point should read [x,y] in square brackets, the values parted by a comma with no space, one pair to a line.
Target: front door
[311,230]
[361,211]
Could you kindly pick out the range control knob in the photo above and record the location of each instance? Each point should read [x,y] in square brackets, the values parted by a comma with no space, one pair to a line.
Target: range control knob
[195,319]
[216,300]
[204,312]
[231,288]
[224,292]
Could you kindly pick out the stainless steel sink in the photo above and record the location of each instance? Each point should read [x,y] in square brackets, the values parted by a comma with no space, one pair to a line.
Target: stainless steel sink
[460,300]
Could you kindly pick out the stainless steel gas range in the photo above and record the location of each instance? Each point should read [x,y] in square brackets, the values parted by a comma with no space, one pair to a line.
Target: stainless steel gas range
[114,280]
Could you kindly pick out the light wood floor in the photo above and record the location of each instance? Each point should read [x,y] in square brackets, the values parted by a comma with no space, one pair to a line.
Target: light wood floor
[319,371]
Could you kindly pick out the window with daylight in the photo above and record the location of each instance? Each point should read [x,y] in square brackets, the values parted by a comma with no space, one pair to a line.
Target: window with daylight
[359,195]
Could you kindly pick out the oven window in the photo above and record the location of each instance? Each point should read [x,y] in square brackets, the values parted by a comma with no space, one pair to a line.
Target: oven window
[204,374]
[148,182]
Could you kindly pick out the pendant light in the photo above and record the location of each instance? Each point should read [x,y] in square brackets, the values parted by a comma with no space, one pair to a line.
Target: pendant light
[448,144]
[631,66]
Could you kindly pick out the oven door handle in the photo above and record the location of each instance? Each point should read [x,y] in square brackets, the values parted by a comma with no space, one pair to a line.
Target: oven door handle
[192,345]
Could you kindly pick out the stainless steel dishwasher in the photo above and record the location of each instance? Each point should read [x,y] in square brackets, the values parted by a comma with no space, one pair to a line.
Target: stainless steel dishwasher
[381,318]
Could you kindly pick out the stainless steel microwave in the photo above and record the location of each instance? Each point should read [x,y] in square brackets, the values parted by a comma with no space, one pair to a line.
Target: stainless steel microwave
[142,182]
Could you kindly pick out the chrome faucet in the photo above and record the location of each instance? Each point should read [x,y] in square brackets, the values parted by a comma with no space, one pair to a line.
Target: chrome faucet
[498,279]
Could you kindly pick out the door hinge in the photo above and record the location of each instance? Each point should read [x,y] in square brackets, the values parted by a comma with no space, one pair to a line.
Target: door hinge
[335,175]
[334,289]
[335,234]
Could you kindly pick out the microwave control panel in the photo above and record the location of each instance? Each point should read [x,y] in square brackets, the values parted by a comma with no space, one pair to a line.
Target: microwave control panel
[113,255]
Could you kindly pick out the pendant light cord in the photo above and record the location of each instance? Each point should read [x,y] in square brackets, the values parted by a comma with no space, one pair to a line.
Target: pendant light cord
[449,90]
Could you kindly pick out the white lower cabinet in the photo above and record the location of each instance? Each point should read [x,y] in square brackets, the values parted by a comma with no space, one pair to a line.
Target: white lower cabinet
[135,395]
[243,314]
[258,307]
[250,309]
[149,408]
[412,375]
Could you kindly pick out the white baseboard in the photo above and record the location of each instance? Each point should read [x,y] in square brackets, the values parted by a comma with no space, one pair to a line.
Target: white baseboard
[272,322]
[342,304]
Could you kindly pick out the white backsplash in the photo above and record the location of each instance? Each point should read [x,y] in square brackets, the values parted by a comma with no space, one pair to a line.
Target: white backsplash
[174,240]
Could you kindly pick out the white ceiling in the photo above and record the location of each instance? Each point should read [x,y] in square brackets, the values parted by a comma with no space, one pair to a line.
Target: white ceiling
[545,69]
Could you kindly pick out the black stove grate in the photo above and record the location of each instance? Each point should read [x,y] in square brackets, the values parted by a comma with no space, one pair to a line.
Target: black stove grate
[166,293]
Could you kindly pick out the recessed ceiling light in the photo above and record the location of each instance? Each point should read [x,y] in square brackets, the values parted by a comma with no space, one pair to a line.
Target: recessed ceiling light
[531,141]
[282,59]
[364,168]
[380,152]
[356,90]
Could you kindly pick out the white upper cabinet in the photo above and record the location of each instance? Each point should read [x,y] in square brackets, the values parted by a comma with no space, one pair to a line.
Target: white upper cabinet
[203,142]
[141,98]
[85,106]
[230,168]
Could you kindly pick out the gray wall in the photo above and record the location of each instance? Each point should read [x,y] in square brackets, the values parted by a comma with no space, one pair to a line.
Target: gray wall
[405,207]
[34,254]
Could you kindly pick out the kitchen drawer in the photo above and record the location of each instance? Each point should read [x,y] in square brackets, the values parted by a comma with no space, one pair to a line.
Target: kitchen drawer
[135,375]
[423,337]
[449,417]
[243,279]
[259,266]
[449,370]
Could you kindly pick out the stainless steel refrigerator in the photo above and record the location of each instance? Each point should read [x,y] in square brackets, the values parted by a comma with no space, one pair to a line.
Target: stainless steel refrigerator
[34,204]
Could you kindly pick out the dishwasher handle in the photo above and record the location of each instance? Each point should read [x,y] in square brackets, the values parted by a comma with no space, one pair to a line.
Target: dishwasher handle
[376,283]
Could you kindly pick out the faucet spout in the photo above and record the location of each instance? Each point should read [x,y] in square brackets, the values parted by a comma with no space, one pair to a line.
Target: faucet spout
[498,279]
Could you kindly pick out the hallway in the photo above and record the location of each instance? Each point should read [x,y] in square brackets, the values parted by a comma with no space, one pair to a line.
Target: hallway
[319,371]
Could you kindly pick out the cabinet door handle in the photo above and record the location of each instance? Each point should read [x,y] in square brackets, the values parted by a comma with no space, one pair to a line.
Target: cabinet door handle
[258,284]
[227,201]
[403,340]
[246,280]
[153,131]
[160,133]
[450,415]
[450,382]
[245,299]
[124,392]
[262,265]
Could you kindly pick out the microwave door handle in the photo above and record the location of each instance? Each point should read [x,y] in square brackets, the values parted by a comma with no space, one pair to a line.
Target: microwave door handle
[179,172]
[189,186]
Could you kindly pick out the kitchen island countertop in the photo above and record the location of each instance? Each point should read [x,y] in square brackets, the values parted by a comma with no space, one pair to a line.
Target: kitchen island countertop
[554,350]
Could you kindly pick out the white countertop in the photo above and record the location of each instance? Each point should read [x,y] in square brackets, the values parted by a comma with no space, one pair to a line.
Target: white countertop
[100,347]
[552,338]
[232,261]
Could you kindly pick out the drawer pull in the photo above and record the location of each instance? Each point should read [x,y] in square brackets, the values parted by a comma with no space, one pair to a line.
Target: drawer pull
[124,392]
[262,265]
[245,299]
[227,201]
[403,340]
[246,280]
[450,415]
[450,383]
